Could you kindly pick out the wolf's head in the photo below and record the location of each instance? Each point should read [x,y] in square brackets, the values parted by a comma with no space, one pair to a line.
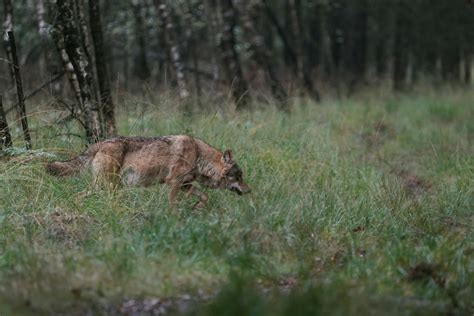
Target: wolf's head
[232,176]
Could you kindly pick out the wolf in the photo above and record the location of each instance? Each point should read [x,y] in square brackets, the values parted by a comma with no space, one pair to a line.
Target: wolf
[180,161]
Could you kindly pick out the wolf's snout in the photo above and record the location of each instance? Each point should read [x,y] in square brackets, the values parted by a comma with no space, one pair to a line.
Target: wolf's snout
[246,190]
[239,188]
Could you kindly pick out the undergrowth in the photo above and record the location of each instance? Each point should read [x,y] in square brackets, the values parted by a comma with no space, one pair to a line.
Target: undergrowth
[362,203]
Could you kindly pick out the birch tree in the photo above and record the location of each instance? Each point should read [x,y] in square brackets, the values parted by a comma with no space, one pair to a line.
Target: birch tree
[66,28]
[8,27]
[166,15]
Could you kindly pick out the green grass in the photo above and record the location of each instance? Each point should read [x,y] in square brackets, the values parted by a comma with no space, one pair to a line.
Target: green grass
[367,203]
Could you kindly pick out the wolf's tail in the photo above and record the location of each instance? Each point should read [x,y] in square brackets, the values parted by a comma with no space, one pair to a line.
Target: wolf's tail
[72,166]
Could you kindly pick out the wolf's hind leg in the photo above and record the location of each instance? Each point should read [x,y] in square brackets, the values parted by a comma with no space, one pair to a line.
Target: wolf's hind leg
[106,170]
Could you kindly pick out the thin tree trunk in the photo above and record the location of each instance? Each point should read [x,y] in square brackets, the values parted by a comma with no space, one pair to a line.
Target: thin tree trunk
[108,111]
[293,25]
[83,31]
[19,90]
[142,69]
[5,137]
[197,80]
[357,59]
[86,46]
[336,34]
[77,57]
[230,57]
[315,45]
[467,67]
[451,61]
[8,27]
[46,62]
[360,57]
[400,55]
[58,38]
[327,65]
[126,61]
[302,71]
[166,16]
[289,52]
[162,41]
[250,14]
[212,29]
[41,18]
[380,57]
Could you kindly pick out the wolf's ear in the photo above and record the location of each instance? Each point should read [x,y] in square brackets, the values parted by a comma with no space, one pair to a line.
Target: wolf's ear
[227,157]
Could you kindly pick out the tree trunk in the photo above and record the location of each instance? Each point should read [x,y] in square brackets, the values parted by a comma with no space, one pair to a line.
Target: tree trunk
[194,37]
[289,27]
[58,38]
[47,60]
[360,40]
[336,34]
[166,15]
[212,29]
[8,27]
[86,46]
[5,137]
[467,67]
[288,49]
[83,31]
[315,43]
[292,22]
[250,14]
[107,105]
[78,59]
[302,69]
[19,90]
[451,61]
[380,57]
[142,69]
[400,46]
[356,57]
[41,18]
[230,57]
[162,42]
[197,80]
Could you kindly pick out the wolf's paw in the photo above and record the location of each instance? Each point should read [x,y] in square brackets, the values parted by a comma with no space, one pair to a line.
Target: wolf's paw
[199,205]
[84,194]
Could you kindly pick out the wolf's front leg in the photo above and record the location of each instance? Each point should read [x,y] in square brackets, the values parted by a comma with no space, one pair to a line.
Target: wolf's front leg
[175,187]
[203,197]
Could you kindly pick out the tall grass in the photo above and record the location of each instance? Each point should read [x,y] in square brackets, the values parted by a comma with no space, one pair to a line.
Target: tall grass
[364,203]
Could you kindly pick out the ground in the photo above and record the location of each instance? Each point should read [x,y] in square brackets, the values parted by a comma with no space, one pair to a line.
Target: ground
[362,206]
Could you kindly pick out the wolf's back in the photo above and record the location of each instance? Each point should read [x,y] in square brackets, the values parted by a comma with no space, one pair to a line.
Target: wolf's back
[72,166]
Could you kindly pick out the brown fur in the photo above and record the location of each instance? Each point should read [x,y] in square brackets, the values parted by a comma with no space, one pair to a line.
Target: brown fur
[177,160]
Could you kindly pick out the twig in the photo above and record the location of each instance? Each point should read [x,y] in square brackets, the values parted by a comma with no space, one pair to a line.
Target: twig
[41,87]
[73,114]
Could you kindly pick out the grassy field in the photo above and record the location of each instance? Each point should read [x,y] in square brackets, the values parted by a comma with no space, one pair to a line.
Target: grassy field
[358,206]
